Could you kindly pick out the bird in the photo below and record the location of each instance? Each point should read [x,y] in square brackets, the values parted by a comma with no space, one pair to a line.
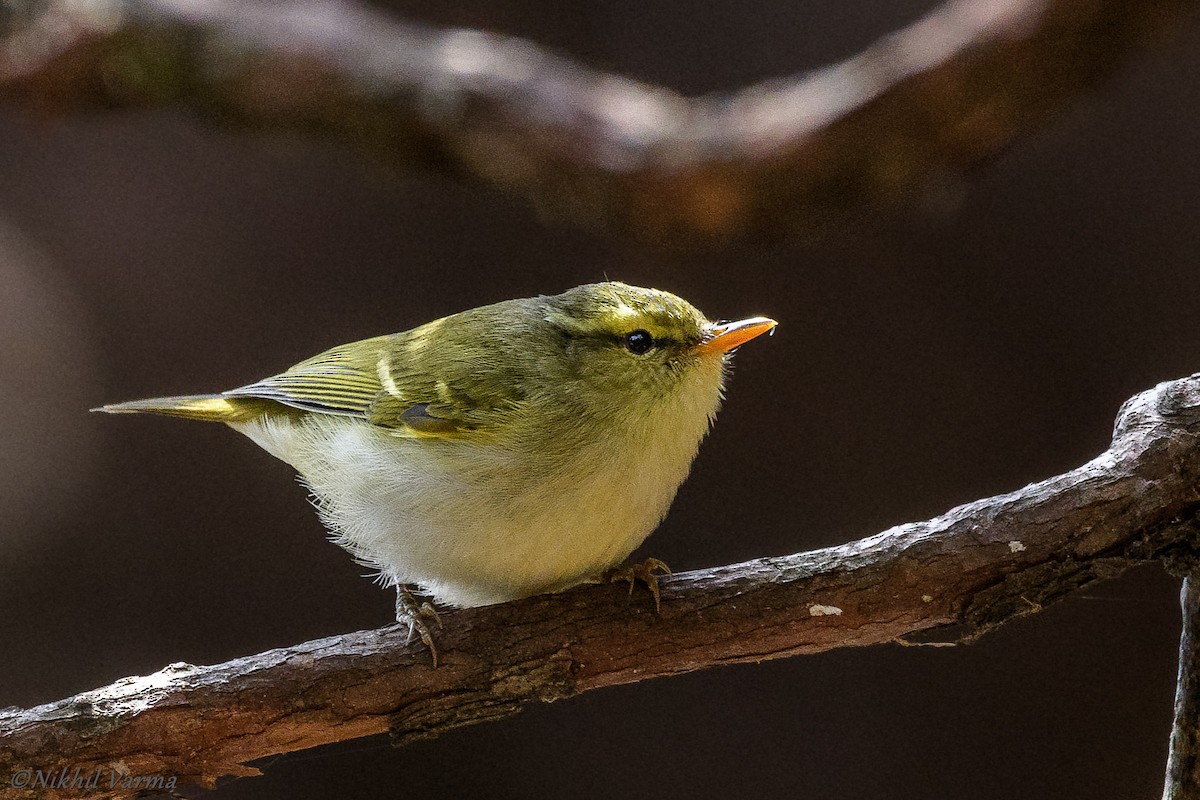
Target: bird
[505,451]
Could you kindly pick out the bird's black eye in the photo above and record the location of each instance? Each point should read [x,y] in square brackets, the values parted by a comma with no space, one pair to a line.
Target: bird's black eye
[638,342]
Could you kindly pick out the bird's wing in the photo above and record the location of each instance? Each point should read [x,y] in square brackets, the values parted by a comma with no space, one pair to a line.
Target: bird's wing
[389,382]
[342,381]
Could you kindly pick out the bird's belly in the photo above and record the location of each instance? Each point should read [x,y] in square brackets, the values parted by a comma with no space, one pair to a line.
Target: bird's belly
[474,523]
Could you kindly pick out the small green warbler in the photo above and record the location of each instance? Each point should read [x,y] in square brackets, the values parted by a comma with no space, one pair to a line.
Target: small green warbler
[514,449]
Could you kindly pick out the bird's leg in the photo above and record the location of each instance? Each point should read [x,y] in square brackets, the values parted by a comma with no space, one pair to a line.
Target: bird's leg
[644,572]
[414,614]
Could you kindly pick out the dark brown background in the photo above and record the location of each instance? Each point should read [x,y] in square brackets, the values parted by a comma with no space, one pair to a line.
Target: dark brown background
[964,351]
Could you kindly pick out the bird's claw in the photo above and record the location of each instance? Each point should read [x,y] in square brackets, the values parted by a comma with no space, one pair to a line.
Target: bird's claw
[409,612]
[646,572]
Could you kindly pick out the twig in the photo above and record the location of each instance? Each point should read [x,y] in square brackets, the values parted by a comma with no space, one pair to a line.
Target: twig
[953,577]
[788,156]
[1183,764]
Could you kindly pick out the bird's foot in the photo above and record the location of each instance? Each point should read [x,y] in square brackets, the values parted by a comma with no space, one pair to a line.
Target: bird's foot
[414,614]
[646,572]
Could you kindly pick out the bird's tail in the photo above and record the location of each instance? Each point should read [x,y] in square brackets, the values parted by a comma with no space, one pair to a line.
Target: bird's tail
[207,407]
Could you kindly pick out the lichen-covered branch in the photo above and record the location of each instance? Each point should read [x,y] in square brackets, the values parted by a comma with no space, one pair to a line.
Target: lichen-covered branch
[787,156]
[953,577]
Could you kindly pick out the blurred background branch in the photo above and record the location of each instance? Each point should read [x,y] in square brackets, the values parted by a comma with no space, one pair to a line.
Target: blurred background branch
[790,156]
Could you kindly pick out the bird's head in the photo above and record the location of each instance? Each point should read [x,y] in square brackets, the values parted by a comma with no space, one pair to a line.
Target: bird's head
[642,344]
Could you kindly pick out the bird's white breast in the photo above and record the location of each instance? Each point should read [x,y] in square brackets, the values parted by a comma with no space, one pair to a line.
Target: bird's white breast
[483,522]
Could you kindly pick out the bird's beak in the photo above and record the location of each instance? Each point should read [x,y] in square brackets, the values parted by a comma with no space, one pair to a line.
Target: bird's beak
[724,336]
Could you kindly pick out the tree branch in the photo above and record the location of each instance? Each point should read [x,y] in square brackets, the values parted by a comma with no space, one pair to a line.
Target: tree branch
[787,156]
[955,576]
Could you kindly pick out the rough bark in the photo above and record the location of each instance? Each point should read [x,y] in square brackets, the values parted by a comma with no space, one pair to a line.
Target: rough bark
[951,578]
[794,155]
